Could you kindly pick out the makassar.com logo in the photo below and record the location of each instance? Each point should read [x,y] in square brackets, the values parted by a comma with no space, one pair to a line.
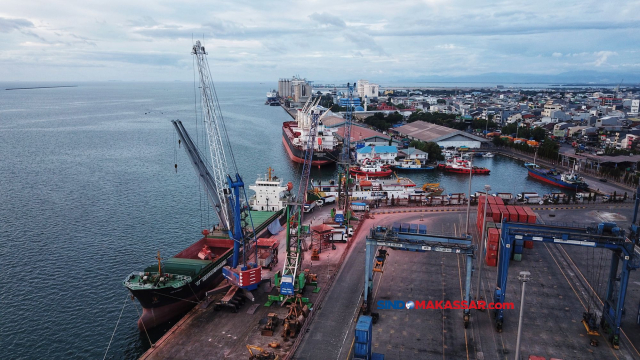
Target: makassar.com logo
[441,304]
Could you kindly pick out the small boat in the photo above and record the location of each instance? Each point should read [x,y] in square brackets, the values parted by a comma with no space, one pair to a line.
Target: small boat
[371,168]
[460,166]
[412,165]
[488,155]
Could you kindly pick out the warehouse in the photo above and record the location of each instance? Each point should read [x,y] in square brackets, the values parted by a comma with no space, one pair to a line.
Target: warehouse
[444,136]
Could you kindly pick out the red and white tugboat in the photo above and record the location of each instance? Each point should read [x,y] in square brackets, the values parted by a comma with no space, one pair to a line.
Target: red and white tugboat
[462,166]
[371,168]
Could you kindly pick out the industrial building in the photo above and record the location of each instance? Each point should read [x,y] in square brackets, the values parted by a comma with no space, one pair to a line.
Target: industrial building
[297,88]
[444,136]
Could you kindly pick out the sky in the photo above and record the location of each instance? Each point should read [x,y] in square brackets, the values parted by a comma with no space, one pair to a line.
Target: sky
[142,40]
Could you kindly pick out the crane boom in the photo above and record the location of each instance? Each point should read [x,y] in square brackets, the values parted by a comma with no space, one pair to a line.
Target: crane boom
[345,156]
[215,128]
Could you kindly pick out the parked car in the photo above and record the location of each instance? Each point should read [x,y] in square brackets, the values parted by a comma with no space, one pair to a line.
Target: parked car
[603,179]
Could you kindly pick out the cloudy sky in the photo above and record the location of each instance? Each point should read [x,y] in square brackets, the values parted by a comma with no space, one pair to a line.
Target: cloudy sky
[322,40]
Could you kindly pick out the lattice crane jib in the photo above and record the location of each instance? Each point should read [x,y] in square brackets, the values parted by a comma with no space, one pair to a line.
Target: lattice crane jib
[345,155]
[215,135]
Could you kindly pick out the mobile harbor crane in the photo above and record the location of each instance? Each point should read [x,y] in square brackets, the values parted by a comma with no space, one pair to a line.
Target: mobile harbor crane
[225,193]
[291,280]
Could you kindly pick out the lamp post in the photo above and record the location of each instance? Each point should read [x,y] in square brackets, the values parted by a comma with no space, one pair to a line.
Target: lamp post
[469,197]
[482,237]
[523,277]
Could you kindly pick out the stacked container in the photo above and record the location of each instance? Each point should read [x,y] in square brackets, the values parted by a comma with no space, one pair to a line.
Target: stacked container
[362,344]
[493,244]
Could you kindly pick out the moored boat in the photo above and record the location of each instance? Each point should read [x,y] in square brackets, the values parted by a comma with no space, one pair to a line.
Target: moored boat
[461,166]
[295,135]
[371,168]
[411,165]
[554,177]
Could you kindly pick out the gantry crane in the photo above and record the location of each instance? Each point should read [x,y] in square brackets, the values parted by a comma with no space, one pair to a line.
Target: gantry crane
[225,193]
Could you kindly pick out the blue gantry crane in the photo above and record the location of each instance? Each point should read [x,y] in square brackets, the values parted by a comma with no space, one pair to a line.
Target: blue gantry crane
[604,235]
[412,237]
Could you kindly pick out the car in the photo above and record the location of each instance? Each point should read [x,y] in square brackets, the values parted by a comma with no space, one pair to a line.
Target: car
[603,180]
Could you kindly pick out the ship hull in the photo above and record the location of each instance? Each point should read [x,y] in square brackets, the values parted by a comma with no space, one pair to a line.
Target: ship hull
[372,174]
[296,154]
[161,306]
[555,182]
[466,171]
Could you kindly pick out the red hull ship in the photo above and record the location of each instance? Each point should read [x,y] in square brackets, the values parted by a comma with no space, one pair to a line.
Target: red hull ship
[461,166]
[371,168]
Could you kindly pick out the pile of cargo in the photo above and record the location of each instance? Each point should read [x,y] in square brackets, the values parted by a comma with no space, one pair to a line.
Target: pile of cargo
[496,213]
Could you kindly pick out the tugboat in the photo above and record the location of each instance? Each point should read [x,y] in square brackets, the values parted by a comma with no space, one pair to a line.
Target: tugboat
[460,166]
[412,165]
[554,177]
[371,168]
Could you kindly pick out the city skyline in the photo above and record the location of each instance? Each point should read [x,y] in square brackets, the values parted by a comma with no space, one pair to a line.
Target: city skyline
[380,41]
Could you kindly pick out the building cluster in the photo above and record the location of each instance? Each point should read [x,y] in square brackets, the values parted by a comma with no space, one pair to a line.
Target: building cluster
[295,89]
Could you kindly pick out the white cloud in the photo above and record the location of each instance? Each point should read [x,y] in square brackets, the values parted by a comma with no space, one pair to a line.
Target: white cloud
[602,57]
[327,41]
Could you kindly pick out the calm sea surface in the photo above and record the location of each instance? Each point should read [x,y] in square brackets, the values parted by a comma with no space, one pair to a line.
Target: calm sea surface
[89,193]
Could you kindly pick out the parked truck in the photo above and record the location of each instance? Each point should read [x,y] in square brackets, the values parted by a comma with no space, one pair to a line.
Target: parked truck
[359,206]
[326,200]
[308,207]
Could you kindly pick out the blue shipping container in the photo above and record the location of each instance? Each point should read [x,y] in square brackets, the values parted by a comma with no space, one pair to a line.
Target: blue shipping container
[396,226]
[422,229]
[404,227]
[363,329]
[413,228]
[517,249]
[362,351]
[519,242]
[376,356]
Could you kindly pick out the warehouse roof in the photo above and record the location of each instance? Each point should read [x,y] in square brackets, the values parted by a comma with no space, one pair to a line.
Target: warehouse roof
[425,131]
[378,149]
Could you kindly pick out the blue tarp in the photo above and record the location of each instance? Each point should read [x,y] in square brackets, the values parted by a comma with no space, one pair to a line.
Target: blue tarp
[275,227]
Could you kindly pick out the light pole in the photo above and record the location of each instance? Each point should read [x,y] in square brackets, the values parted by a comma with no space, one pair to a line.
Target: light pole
[523,277]
[484,223]
[469,198]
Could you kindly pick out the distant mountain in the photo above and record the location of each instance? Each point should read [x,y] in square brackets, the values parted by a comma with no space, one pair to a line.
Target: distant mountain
[571,77]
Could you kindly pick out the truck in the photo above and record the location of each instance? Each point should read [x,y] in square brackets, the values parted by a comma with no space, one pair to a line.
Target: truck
[339,234]
[308,207]
[359,206]
[339,218]
[326,200]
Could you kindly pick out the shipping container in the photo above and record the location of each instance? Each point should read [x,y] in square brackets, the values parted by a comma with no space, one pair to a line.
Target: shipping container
[528,244]
[396,227]
[413,228]
[491,262]
[362,351]
[522,215]
[531,216]
[493,235]
[517,257]
[422,229]
[513,213]
[404,227]
[492,254]
[498,200]
[363,329]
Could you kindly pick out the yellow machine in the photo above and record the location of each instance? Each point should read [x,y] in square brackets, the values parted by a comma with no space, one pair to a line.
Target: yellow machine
[262,354]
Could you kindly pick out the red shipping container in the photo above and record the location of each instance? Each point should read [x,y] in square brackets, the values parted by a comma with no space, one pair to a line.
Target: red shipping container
[513,213]
[492,254]
[491,262]
[534,357]
[492,246]
[528,244]
[531,216]
[495,213]
[522,215]
[499,200]
[491,200]
[493,235]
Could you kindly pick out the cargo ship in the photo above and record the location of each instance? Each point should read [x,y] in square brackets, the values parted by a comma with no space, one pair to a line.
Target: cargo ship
[272,98]
[295,135]
[554,177]
[173,286]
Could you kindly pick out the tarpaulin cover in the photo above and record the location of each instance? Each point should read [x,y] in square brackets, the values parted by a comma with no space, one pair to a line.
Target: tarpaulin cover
[275,227]
[322,228]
